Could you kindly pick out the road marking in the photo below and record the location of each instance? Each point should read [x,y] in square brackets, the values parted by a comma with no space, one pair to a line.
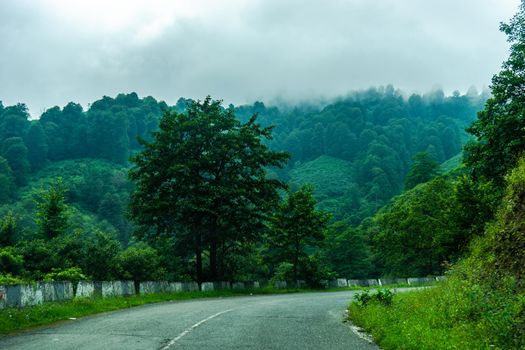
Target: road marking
[177,338]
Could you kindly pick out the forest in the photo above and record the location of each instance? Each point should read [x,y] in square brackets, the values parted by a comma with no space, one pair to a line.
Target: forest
[253,150]
[358,169]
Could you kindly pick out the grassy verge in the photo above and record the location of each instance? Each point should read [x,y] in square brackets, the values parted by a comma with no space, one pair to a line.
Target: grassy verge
[453,315]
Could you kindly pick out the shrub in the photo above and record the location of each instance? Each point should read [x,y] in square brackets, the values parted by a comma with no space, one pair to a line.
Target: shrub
[284,272]
[10,261]
[382,296]
[73,274]
[139,263]
[39,257]
[9,279]
[363,298]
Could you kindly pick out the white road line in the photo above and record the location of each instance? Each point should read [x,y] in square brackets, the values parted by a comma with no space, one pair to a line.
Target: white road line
[177,338]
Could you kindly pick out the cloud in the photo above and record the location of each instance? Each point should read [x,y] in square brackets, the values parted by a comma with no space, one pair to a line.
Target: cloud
[54,51]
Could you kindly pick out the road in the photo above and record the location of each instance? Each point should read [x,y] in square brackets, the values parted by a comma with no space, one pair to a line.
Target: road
[288,321]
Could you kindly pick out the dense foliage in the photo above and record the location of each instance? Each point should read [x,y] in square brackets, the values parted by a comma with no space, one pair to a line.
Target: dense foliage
[356,152]
[202,182]
[482,304]
[296,227]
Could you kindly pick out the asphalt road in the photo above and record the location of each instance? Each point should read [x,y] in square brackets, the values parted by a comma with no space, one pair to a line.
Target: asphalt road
[290,321]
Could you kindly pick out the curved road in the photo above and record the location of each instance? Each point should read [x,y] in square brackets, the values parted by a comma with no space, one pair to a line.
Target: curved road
[289,321]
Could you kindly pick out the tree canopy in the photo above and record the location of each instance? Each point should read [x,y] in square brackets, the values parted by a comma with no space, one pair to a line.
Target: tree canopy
[500,127]
[296,227]
[202,179]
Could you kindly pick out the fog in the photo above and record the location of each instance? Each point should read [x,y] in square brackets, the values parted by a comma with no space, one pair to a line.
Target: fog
[55,51]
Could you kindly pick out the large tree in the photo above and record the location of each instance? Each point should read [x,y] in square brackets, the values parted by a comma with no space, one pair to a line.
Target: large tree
[202,179]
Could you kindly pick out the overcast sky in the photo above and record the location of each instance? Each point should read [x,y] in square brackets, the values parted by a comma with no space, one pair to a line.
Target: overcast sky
[55,51]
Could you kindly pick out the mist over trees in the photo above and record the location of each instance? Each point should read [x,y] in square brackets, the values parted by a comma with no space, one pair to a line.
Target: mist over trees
[357,152]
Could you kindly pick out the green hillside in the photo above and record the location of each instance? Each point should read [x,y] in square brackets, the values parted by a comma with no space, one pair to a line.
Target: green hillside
[97,192]
[332,179]
[452,163]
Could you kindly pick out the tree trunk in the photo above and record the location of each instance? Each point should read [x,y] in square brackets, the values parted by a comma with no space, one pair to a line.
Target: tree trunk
[296,261]
[198,259]
[213,257]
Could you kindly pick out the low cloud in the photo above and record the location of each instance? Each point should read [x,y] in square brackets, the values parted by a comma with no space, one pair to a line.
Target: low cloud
[55,51]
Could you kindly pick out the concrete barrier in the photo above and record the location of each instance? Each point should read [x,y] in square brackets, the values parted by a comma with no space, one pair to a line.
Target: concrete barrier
[414,281]
[48,291]
[363,283]
[148,287]
[338,283]
[386,281]
[175,287]
[85,289]
[222,285]
[190,286]
[117,288]
[56,291]
[3,297]
[280,284]
[249,285]
[372,282]
[353,283]
[64,290]
[22,295]
[127,288]
[300,283]
[163,287]
[104,289]
[207,286]
[238,285]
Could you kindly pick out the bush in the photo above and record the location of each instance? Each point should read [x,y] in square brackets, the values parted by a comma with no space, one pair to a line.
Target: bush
[314,270]
[99,260]
[39,257]
[10,261]
[284,272]
[72,274]
[9,279]
[363,298]
[139,263]
[382,296]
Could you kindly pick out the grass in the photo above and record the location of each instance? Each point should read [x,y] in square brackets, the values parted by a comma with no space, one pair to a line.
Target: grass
[453,315]
[410,324]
